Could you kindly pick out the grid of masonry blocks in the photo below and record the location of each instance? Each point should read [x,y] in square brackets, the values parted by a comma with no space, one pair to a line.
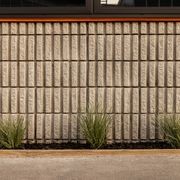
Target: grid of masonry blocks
[51,72]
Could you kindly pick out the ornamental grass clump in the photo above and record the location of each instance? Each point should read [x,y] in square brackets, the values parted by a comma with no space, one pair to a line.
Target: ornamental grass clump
[11,133]
[95,125]
[170,126]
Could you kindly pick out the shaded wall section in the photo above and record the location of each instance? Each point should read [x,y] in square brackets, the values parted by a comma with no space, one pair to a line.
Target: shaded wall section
[52,72]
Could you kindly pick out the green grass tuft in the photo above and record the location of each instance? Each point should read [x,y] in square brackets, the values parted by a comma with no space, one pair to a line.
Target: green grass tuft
[11,133]
[95,127]
[170,126]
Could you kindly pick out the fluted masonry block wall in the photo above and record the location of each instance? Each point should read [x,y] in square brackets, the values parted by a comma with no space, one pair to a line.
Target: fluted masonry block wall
[51,72]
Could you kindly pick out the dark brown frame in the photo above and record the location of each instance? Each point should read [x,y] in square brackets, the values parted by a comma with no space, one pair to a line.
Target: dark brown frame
[138,11]
[93,9]
[87,9]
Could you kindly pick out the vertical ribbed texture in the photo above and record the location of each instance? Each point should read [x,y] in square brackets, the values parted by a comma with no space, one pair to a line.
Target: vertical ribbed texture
[52,72]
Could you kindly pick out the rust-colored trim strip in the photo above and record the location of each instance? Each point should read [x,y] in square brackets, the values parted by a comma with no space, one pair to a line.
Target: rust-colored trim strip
[92,19]
[86,153]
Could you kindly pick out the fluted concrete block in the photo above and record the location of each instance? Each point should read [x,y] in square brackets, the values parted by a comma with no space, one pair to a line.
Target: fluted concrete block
[161,28]
[14,47]
[31,100]
[100,98]
[101,73]
[5,73]
[178,100]
[126,28]
[57,126]
[143,128]
[31,128]
[83,99]
[177,47]
[135,126]
[48,100]
[152,127]
[40,100]
[92,74]
[127,74]
[170,47]
[39,47]
[161,100]
[152,73]
[135,74]
[65,74]
[92,98]
[170,74]
[14,100]
[39,126]
[92,47]
[127,47]
[135,100]
[143,47]
[57,47]
[118,74]
[170,28]
[170,100]
[118,100]
[126,122]
[161,74]
[109,73]
[22,100]
[74,100]
[39,73]
[5,47]
[109,100]
[48,74]
[75,47]
[152,27]
[74,126]
[100,47]
[83,47]
[153,47]
[74,74]
[65,133]
[48,47]
[118,27]
[66,98]
[66,48]
[100,28]
[23,48]
[57,100]
[57,73]
[48,126]
[5,100]
[135,47]
[118,127]
[143,100]
[143,73]
[31,49]
[152,99]
[127,100]
[14,74]
[118,47]
[161,47]
[83,73]
[31,74]
[5,28]
[109,47]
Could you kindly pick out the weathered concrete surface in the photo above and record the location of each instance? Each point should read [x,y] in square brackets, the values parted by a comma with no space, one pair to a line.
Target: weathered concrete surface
[126,167]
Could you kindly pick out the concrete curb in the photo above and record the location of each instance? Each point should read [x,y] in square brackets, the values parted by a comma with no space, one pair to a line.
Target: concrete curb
[84,153]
